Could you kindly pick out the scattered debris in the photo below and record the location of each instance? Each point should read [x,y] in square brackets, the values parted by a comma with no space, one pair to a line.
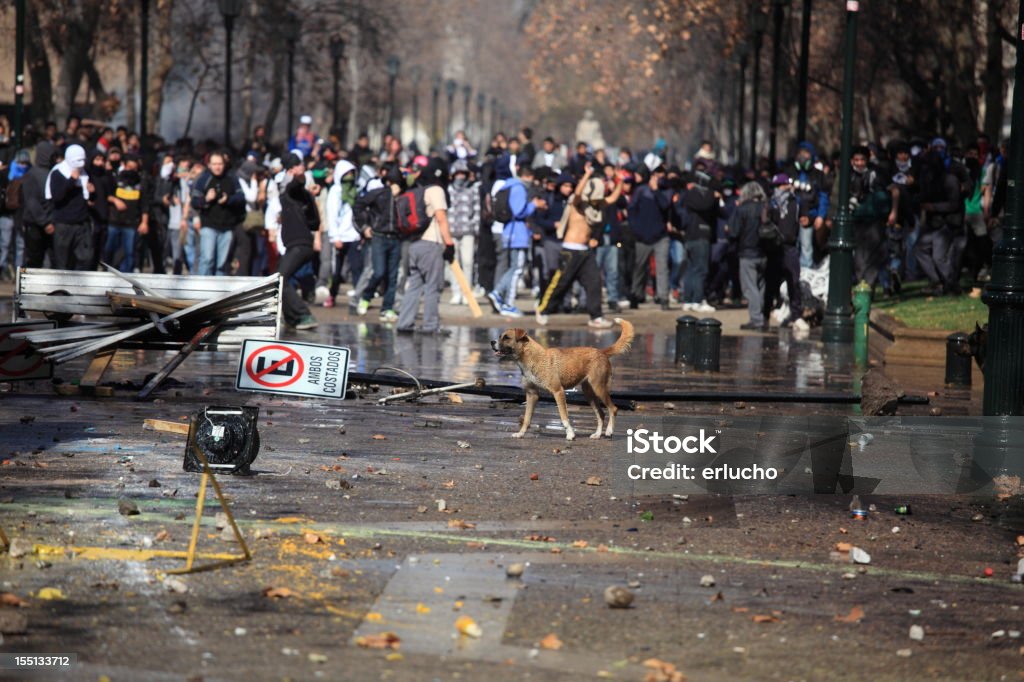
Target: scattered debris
[20,547]
[312,538]
[383,640]
[463,444]
[126,507]
[660,671]
[764,618]
[50,594]
[707,580]
[422,509]
[534,477]
[316,658]
[917,633]
[460,524]
[855,615]
[240,632]
[442,505]
[11,599]
[904,653]
[337,484]
[379,436]
[220,520]
[515,570]
[467,626]
[859,556]
[551,642]
[177,608]
[618,597]
[153,483]
[175,585]
[978,517]
[594,480]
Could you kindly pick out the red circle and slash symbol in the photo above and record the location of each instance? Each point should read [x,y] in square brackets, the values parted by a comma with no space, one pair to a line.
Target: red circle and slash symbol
[19,350]
[289,368]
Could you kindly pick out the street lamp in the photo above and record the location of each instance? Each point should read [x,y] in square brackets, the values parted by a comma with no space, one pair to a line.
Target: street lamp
[450,86]
[758,24]
[1004,294]
[778,12]
[467,92]
[291,31]
[837,327]
[805,46]
[435,134]
[229,9]
[144,68]
[337,47]
[415,74]
[481,102]
[394,63]
[19,72]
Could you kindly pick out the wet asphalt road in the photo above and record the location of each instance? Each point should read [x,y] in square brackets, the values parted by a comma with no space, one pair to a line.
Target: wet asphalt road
[344,514]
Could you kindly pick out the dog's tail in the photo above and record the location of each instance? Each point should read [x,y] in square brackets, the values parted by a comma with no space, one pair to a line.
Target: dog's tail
[625,339]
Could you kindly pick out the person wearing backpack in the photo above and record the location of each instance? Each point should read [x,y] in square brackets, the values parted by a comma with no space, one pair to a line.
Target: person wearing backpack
[784,259]
[375,209]
[744,228]
[464,222]
[512,207]
[428,251]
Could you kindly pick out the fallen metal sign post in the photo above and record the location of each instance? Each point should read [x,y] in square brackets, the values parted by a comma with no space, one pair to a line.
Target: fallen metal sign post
[415,395]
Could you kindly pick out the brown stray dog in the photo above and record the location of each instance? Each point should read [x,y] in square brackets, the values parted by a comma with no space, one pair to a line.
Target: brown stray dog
[558,369]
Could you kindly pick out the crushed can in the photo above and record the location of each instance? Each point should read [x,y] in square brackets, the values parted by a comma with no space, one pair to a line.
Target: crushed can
[903,510]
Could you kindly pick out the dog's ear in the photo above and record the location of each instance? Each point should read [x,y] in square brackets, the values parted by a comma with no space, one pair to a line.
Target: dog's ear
[519,335]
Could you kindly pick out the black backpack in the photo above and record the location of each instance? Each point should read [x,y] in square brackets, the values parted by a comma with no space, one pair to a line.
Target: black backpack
[411,219]
[768,232]
[502,209]
[374,210]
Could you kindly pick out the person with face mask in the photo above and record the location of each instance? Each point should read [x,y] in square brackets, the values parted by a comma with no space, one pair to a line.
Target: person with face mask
[99,206]
[177,230]
[128,215]
[342,234]
[812,186]
[874,204]
[69,191]
[463,221]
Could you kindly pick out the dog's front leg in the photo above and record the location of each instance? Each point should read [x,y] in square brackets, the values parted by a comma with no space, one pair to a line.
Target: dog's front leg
[563,412]
[531,402]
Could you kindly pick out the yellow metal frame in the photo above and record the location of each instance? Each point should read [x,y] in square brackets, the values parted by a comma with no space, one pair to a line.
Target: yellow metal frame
[190,555]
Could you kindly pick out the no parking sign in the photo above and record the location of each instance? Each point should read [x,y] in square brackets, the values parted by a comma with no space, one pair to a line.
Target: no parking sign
[18,360]
[293,368]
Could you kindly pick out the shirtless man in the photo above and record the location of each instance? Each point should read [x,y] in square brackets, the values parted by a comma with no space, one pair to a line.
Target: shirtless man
[577,260]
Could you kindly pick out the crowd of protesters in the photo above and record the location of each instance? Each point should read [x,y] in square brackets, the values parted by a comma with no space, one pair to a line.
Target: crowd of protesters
[582,230]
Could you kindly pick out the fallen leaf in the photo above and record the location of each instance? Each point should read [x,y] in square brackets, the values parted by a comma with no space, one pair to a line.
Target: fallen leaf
[540,538]
[277,592]
[843,546]
[843,531]
[422,609]
[50,593]
[379,436]
[467,626]
[454,398]
[602,548]
[764,618]
[372,617]
[312,538]
[855,615]
[459,523]
[580,544]
[593,480]
[551,642]
[162,536]
[384,640]
[448,484]
[11,599]
[740,609]
[662,671]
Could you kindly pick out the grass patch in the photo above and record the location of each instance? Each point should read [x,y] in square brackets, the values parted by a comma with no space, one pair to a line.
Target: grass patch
[915,309]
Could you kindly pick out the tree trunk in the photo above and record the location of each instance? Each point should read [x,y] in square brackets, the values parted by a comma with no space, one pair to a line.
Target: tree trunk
[195,97]
[276,91]
[39,72]
[81,23]
[163,54]
[248,71]
[354,74]
[992,79]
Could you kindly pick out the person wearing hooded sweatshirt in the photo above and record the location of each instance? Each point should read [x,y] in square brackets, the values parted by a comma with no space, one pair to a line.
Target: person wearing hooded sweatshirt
[547,221]
[428,254]
[36,212]
[463,221]
[744,228]
[69,190]
[516,239]
[648,215]
[12,243]
[128,214]
[811,187]
[299,220]
[503,172]
[342,233]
